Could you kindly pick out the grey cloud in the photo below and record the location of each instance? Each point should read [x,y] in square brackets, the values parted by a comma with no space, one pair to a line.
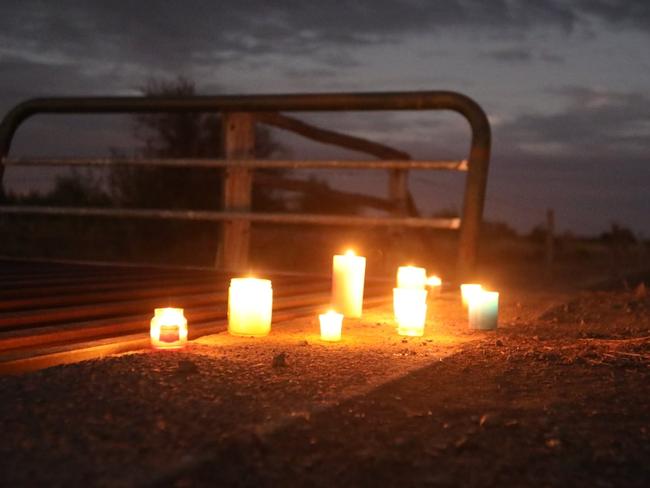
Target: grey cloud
[510,55]
[601,125]
[169,34]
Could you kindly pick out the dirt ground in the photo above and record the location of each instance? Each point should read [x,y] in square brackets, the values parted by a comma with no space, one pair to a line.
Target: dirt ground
[557,396]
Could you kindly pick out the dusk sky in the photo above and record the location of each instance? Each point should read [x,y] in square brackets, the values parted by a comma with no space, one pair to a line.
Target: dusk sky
[565,85]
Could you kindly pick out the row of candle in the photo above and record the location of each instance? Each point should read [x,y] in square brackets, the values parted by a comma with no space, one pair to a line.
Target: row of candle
[250,304]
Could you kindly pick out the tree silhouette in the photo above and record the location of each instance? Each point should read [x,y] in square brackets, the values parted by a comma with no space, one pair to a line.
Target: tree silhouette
[180,135]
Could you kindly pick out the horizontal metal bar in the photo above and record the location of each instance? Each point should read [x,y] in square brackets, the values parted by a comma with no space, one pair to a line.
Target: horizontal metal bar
[200,215]
[453,165]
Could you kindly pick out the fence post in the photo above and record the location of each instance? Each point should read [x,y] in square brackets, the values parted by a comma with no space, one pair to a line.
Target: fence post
[239,143]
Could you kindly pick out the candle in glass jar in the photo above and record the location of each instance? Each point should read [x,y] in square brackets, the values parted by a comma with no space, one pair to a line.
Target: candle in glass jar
[168,328]
[484,310]
[330,326]
[250,305]
[467,291]
[348,276]
[411,277]
[410,307]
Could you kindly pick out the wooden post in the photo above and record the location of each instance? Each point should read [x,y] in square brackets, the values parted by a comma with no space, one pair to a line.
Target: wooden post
[550,238]
[239,143]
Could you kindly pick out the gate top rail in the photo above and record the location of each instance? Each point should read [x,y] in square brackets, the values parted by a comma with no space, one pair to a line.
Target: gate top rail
[314,102]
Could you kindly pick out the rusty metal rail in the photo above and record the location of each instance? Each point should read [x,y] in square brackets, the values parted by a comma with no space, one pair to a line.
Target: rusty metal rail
[241,113]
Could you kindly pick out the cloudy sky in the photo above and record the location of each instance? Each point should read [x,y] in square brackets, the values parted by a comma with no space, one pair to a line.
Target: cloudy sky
[565,84]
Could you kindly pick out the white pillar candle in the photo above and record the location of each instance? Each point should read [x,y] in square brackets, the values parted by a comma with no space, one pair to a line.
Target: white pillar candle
[434,283]
[348,275]
[411,277]
[410,307]
[250,304]
[168,329]
[330,326]
[467,291]
[484,310]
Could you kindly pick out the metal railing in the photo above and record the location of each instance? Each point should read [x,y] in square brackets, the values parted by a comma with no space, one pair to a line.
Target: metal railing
[240,113]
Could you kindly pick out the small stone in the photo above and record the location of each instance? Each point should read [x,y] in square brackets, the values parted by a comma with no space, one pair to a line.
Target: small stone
[499,343]
[303,343]
[553,443]
[187,367]
[460,443]
[280,360]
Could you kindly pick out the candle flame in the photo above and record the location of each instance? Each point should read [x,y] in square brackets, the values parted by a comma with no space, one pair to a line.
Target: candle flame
[350,252]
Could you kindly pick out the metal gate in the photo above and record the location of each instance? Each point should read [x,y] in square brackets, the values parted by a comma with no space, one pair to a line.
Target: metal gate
[240,114]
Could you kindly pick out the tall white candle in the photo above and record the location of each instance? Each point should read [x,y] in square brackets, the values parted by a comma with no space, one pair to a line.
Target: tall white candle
[484,310]
[410,307]
[411,277]
[348,276]
[250,305]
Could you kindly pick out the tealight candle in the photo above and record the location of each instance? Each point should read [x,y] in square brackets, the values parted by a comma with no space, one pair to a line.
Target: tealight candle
[348,275]
[168,328]
[250,305]
[434,283]
[411,277]
[467,291]
[484,310]
[410,307]
[330,326]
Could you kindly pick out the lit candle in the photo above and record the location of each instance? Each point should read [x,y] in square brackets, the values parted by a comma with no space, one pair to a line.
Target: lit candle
[484,310]
[467,291]
[411,277]
[330,326]
[410,307]
[348,275]
[434,283]
[168,328]
[250,304]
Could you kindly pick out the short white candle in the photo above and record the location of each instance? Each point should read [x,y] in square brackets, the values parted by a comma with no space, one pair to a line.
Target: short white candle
[467,291]
[168,328]
[348,276]
[484,310]
[434,283]
[250,304]
[330,326]
[411,277]
[410,307]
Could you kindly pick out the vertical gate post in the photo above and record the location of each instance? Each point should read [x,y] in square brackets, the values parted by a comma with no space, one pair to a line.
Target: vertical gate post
[475,186]
[239,143]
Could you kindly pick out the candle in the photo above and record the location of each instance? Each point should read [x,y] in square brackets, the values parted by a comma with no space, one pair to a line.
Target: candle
[250,304]
[484,310]
[348,275]
[168,328]
[411,277]
[435,285]
[330,326]
[410,307]
[467,291]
